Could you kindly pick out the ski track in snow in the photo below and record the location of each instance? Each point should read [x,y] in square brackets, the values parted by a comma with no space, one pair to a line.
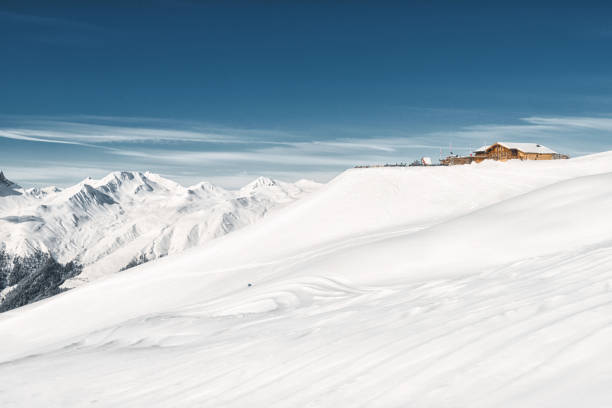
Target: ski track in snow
[524,319]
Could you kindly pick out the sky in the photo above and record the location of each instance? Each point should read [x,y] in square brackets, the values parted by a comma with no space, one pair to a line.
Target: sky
[227,91]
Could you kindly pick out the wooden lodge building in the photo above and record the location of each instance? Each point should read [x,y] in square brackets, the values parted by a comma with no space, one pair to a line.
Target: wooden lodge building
[506,151]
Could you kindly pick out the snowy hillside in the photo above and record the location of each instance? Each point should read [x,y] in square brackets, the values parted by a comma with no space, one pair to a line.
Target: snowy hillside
[127,218]
[482,285]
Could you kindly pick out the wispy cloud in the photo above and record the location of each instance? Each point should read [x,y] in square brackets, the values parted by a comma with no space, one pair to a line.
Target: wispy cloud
[18,135]
[558,123]
[86,133]
[101,130]
[190,151]
[289,156]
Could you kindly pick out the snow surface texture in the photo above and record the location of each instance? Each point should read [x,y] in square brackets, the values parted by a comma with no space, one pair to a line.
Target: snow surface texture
[486,285]
[130,217]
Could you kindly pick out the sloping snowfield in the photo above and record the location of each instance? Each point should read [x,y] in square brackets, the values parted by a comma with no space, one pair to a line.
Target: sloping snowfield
[472,286]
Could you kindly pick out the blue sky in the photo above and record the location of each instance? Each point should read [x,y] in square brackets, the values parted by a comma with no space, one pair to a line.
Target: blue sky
[227,91]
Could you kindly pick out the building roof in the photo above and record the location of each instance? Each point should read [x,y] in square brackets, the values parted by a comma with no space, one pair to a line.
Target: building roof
[527,147]
[523,147]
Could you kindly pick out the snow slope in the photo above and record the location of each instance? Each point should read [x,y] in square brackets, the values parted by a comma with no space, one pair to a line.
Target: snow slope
[482,285]
[129,216]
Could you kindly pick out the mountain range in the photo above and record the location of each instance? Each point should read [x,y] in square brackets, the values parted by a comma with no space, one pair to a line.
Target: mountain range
[128,218]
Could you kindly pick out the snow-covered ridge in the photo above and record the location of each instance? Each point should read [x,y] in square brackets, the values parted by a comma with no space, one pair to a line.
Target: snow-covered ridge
[7,187]
[128,217]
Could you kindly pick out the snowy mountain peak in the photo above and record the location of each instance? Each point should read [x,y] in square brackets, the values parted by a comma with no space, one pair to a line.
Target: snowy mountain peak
[162,181]
[7,187]
[260,183]
[119,178]
[133,184]
[5,181]
[89,193]
[263,182]
[122,176]
[41,193]
[206,188]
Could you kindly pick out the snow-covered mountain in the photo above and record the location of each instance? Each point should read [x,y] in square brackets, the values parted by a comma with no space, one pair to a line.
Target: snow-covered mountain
[7,187]
[486,285]
[126,218]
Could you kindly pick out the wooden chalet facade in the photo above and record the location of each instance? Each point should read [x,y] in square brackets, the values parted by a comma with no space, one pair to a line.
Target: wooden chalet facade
[506,151]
